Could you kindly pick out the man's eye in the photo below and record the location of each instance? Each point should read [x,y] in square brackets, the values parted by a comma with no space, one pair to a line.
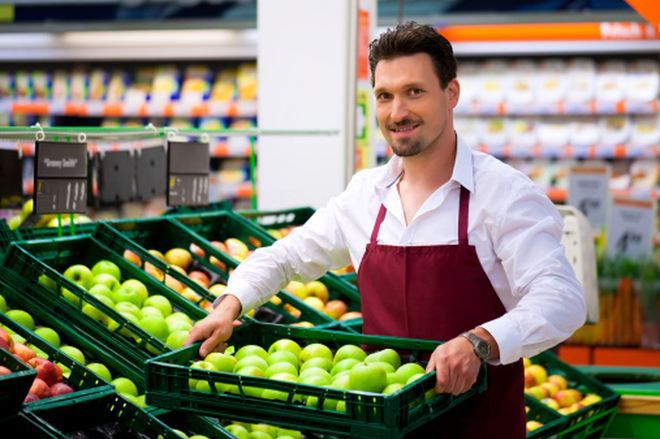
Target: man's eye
[383,96]
[415,91]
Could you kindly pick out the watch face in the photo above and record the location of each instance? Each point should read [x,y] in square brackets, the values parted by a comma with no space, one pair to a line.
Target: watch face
[483,350]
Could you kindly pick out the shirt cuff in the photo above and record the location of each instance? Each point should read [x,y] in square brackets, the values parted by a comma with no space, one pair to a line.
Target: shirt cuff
[505,332]
[241,290]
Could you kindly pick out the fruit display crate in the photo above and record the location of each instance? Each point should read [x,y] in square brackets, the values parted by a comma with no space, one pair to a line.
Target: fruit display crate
[32,233]
[14,386]
[40,263]
[592,420]
[223,225]
[192,424]
[80,379]
[6,234]
[18,297]
[164,233]
[101,414]
[550,421]
[211,207]
[27,425]
[367,414]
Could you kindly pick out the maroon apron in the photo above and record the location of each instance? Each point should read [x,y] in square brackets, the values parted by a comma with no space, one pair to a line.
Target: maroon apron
[436,292]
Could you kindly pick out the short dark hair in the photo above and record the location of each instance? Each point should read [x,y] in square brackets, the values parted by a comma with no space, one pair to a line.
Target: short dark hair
[412,38]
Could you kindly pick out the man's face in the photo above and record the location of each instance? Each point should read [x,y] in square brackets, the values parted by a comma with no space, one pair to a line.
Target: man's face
[411,107]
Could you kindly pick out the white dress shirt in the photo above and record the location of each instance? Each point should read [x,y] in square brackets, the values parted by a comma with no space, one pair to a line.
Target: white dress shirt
[514,227]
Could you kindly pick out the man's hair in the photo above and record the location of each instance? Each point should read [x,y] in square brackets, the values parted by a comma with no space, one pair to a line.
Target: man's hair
[412,38]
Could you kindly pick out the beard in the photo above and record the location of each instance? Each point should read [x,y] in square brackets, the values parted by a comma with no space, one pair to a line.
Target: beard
[407,147]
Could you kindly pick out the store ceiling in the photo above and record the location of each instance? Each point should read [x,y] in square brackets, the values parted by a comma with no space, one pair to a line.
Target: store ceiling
[242,13]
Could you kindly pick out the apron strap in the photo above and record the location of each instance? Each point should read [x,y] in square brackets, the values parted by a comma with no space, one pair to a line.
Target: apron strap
[379,221]
[463,214]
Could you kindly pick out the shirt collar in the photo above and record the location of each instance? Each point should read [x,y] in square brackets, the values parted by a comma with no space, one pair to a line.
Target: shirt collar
[462,173]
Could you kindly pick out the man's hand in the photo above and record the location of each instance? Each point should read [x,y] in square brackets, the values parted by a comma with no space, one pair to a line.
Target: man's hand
[217,327]
[456,366]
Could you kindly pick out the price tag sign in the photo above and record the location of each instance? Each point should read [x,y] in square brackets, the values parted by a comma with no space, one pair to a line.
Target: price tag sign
[630,227]
[60,178]
[588,190]
[188,174]
[151,173]
[116,173]
[11,178]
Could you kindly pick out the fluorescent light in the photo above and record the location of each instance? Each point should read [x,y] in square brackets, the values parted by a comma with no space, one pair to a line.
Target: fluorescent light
[27,39]
[160,38]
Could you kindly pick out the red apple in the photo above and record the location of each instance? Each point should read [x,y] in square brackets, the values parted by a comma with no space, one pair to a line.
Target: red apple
[40,388]
[30,397]
[153,271]
[530,379]
[335,308]
[174,284]
[132,257]
[4,370]
[220,246]
[46,370]
[60,389]
[197,250]
[197,275]
[23,352]
[218,263]
[351,315]
[5,339]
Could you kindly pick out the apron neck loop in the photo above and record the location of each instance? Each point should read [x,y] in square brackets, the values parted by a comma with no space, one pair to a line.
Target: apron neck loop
[463,211]
[379,221]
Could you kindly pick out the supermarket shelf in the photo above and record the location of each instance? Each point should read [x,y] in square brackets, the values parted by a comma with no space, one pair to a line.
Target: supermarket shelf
[559,195]
[106,109]
[237,190]
[570,152]
[592,108]
[609,356]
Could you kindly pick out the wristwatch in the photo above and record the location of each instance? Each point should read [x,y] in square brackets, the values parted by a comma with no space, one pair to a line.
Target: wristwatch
[481,346]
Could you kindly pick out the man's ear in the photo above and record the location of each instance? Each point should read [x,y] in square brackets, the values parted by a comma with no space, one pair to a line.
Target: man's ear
[453,92]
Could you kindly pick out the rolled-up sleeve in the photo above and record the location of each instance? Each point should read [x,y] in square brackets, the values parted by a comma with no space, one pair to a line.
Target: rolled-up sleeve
[550,300]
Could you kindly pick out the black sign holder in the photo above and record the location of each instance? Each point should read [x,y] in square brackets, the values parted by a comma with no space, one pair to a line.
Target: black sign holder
[11,178]
[188,174]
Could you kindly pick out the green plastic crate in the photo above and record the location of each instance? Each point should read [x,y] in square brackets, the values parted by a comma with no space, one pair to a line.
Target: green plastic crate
[80,379]
[221,226]
[33,259]
[588,422]
[367,415]
[552,421]
[6,235]
[35,233]
[14,386]
[193,424]
[211,207]
[164,233]
[27,425]
[99,409]
[69,333]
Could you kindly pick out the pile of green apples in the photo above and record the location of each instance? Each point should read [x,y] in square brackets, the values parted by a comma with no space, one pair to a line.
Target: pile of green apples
[244,430]
[349,368]
[130,298]
[28,353]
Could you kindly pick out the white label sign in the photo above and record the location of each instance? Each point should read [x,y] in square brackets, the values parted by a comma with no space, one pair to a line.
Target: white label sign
[588,190]
[630,227]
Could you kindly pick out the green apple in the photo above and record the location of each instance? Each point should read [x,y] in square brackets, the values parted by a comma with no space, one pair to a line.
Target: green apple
[251,349]
[129,307]
[179,432]
[270,430]
[285,344]
[315,350]
[155,326]
[3,304]
[341,406]
[178,325]
[112,325]
[124,294]
[221,361]
[21,317]
[107,280]
[344,365]
[393,378]
[101,370]
[349,351]
[321,362]
[80,274]
[198,436]
[281,367]
[429,393]
[386,355]
[405,371]
[260,435]
[238,430]
[395,387]
[293,433]
[107,267]
[387,366]
[38,351]
[279,356]
[96,313]
[72,297]
[74,353]
[102,290]
[152,311]
[48,282]
[50,335]
[125,386]
[66,372]
[255,372]
[175,339]
[367,378]
[138,287]
[201,365]
[141,400]
[251,360]
[178,316]
[319,380]
[160,302]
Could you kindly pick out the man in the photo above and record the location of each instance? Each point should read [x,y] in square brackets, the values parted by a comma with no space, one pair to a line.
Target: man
[450,244]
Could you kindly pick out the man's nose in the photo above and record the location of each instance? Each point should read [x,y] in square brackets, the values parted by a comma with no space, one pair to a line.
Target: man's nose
[399,109]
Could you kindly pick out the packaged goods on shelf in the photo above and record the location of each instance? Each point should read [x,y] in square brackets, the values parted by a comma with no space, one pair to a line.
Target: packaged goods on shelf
[196,84]
[79,85]
[645,131]
[165,84]
[468,74]
[611,81]
[41,84]
[553,132]
[581,76]
[584,132]
[494,131]
[523,132]
[61,87]
[642,80]
[23,84]
[98,83]
[524,82]
[116,86]
[494,83]
[552,86]
[246,82]
[224,87]
[614,130]
[6,85]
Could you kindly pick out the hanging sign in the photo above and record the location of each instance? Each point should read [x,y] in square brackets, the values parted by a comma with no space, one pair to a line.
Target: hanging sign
[151,173]
[630,227]
[588,190]
[188,174]
[60,178]
[116,174]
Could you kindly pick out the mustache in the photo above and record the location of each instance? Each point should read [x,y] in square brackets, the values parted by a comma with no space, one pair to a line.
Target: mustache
[403,123]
